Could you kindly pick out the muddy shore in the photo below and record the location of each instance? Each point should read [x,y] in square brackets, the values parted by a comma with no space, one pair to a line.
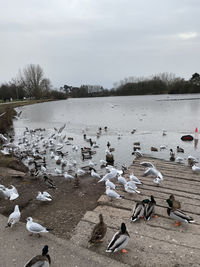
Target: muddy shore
[69,203]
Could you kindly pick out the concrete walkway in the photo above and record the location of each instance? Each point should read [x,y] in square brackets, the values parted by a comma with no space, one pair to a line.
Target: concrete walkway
[156,242]
[17,247]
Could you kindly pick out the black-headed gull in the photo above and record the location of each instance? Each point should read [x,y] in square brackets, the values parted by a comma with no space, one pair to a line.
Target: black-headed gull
[14,217]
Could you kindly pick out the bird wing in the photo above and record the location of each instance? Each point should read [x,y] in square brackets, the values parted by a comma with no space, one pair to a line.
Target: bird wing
[180,216]
[116,242]
[39,260]
[147,164]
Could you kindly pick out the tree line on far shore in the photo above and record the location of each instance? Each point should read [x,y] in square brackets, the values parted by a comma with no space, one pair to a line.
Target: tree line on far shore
[31,83]
[163,83]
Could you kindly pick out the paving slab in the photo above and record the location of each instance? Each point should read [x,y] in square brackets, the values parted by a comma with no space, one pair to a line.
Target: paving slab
[156,242]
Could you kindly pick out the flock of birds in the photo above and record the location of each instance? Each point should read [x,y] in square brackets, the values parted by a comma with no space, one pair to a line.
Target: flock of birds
[33,148]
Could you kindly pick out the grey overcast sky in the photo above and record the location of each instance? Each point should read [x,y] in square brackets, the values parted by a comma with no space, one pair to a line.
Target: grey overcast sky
[99,41]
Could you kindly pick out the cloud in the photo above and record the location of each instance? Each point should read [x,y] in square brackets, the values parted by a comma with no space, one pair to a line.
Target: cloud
[100,42]
[187,35]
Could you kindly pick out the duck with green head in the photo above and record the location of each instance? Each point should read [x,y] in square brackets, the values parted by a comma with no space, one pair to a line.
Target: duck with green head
[177,215]
[139,210]
[119,240]
[175,203]
[149,212]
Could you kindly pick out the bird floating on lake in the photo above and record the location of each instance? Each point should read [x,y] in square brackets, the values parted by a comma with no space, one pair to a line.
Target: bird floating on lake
[179,160]
[119,240]
[179,149]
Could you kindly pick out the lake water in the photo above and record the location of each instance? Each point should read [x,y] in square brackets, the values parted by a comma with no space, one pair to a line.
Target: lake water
[149,115]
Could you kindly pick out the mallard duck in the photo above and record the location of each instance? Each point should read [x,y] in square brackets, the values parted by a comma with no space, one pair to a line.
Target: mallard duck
[119,240]
[172,155]
[150,209]
[139,210]
[49,182]
[43,260]
[175,204]
[179,149]
[136,144]
[154,149]
[99,231]
[178,215]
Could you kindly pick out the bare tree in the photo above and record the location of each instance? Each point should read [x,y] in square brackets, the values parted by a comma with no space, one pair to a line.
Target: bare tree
[33,80]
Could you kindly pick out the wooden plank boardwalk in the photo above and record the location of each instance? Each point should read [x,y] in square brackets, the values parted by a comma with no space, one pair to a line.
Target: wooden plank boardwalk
[156,242]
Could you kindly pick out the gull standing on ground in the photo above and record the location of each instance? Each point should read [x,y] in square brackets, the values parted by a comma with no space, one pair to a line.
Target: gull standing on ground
[35,228]
[121,180]
[112,194]
[14,216]
[110,184]
[133,178]
[10,193]
[95,174]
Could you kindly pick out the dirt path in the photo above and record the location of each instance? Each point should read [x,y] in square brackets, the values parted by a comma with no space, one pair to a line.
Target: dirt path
[64,212]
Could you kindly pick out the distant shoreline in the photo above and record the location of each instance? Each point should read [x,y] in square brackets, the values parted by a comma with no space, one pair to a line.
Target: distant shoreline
[179,99]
